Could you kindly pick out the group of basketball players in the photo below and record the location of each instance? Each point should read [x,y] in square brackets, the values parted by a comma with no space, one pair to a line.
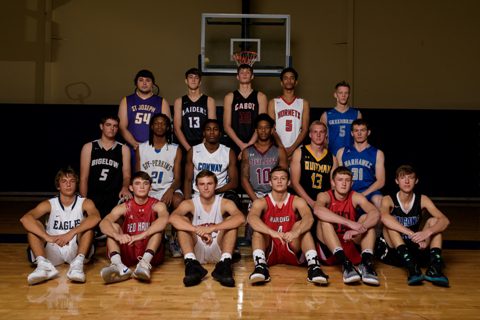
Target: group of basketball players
[338,215]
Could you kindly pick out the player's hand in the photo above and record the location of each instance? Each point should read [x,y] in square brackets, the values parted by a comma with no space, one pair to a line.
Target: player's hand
[136,237]
[167,197]
[357,226]
[125,194]
[290,236]
[420,236]
[123,238]
[277,235]
[204,230]
[207,239]
[423,245]
[350,234]
[63,239]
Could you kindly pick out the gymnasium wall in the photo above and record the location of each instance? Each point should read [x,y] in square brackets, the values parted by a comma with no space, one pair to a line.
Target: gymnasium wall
[396,54]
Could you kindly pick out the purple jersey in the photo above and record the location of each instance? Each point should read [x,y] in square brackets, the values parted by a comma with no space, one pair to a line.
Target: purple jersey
[139,112]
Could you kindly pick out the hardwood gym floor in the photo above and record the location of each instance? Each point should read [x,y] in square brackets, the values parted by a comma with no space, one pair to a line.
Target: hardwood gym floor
[288,295]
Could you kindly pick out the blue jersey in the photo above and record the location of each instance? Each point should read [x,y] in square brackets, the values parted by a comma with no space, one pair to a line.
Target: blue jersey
[339,127]
[362,164]
[139,112]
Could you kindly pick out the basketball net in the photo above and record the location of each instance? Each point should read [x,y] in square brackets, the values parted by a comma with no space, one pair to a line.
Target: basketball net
[245,57]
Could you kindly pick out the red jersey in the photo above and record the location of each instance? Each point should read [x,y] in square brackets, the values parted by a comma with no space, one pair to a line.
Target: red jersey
[138,216]
[280,219]
[343,208]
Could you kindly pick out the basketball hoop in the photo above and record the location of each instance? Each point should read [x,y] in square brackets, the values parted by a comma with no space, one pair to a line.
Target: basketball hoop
[245,57]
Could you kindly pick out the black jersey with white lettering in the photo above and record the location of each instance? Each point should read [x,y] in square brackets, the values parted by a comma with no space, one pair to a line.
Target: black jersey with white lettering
[105,170]
[315,172]
[244,112]
[194,115]
[409,218]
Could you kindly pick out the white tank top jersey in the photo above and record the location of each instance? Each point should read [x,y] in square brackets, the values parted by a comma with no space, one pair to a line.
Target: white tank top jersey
[216,162]
[204,218]
[159,165]
[63,219]
[288,119]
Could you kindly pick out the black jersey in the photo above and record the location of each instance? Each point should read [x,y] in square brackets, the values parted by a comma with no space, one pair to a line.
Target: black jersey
[194,115]
[106,176]
[315,172]
[412,218]
[244,112]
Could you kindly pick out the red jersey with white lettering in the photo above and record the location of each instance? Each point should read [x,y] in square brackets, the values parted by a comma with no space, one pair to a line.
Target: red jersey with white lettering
[281,217]
[138,219]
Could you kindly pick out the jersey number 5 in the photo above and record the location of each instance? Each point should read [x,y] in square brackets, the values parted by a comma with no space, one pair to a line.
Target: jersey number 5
[104,175]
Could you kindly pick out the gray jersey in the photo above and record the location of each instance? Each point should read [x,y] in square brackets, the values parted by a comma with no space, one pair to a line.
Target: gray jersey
[260,166]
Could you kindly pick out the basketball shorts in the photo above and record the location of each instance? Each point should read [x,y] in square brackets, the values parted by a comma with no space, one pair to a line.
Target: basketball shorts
[131,254]
[349,248]
[279,253]
[59,255]
[207,253]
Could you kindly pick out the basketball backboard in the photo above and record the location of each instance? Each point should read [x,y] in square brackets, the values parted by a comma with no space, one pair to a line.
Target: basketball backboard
[265,35]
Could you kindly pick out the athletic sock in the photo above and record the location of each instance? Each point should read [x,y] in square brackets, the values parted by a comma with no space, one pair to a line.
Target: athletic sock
[190,255]
[148,256]
[312,257]
[367,257]
[116,258]
[226,255]
[340,255]
[259,256]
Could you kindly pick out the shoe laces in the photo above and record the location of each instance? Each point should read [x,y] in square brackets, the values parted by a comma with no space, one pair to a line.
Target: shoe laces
[144,264]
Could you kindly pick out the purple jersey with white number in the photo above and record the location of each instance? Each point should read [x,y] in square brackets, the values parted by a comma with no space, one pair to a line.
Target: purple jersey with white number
[139,112]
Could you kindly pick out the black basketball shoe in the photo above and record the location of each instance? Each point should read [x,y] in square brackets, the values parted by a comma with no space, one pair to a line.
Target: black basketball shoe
[194,273]
[223,273]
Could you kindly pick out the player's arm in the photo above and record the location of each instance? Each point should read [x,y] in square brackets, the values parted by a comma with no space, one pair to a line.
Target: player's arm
[31,223]
[227,121]
[157,226]
[359,115]
[187,182]
[303,130]
[211,108]
[295,172]
[177,124]
[235,219]
[232,183]
[334,166]
[126,173]
[179,220]
[339,156]
[271,113]
[303,225]
[167,197]
[89,222]
[440,224]
[123,125]
[323,213]
[254,219]
[245,176]
[324,119]
[379,174]
[373,215]
[137,159]
[85,158]
[389,221]
[282,158]
[107,224]
[166,108]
